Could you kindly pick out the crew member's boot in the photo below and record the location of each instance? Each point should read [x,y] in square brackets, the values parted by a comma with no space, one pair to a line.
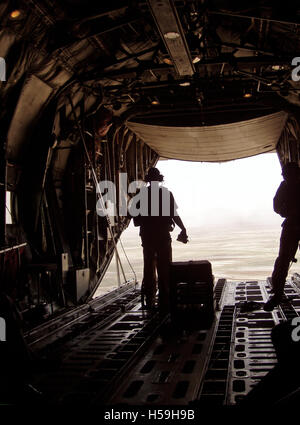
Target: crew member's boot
[273,302]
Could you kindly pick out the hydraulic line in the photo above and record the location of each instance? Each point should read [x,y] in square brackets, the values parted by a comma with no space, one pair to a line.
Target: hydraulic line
[97,186]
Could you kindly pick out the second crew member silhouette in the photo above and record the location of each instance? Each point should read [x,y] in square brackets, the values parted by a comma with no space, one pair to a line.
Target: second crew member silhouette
[157,219]
[287,204]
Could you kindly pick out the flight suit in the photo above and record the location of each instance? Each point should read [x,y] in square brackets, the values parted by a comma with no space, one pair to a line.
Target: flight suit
[287,204]
[157,253]
[157,250]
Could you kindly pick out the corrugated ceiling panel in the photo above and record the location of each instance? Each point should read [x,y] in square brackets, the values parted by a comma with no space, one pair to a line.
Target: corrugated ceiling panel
[214,143]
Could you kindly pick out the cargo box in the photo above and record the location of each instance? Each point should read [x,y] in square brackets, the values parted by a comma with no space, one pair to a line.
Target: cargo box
[192,302]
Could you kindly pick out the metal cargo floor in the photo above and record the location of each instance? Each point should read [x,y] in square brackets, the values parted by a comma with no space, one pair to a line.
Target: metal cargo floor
[133,358]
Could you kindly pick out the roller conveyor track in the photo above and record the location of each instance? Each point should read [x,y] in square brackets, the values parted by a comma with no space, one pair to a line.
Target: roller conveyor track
[234,356]
[253,354]
[92,360]
[75,320]
[135,359]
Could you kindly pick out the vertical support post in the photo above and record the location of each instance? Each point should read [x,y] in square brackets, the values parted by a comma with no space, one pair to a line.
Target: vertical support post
[86,229]
[118,269]
[64,272]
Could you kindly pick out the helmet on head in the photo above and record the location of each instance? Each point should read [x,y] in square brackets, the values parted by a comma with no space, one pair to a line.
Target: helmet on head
[291,169]
[154,175]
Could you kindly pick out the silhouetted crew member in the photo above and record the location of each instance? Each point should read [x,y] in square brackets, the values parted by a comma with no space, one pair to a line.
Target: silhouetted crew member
[156,223]
[287,204]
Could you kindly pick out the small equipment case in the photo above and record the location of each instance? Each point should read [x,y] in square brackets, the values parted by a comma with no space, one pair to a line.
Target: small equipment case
[192,301]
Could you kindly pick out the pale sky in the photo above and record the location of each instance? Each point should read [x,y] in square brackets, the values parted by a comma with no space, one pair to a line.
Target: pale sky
[237,192]
[225,199]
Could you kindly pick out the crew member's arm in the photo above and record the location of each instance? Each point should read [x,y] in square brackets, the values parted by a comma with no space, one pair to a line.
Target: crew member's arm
[182,237]
[279,201]
[178,221]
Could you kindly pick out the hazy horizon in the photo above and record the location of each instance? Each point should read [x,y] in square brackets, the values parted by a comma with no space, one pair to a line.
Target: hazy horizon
[227,209]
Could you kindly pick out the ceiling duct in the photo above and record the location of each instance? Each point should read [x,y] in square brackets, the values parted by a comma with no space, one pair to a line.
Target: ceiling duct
[169,26]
